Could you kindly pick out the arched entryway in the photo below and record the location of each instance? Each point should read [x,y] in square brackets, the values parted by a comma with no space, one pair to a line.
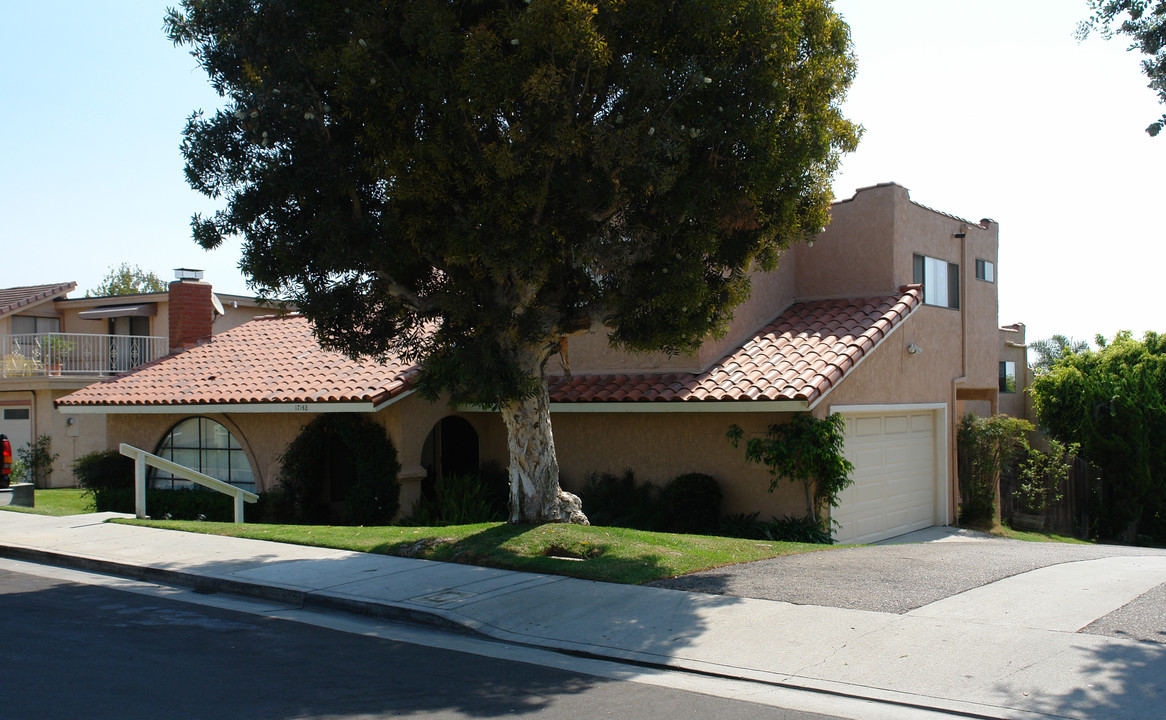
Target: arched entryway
[450,449]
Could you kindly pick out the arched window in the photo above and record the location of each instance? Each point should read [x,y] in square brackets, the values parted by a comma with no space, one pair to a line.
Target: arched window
[207,446]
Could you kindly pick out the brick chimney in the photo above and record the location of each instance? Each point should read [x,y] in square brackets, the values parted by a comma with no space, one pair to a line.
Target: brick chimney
[191,310]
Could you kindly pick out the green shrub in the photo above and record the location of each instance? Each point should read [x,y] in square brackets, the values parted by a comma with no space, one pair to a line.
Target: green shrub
[458,500]
[183,504]
[618,501]
[274,507]
[986,446]
[358,445]
[1040,477]
[787,529]
[806,450]
[36,462]
[691,503]
[104,469]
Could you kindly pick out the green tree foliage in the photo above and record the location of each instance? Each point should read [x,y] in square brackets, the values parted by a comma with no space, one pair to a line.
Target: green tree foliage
[805,450]
[1040,477]
[127,279]
[1145,22]
[1112,402]
[1049,351]
[986,446]
[469,184]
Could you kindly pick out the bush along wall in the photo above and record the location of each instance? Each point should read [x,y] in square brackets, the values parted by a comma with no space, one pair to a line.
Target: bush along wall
[339,450]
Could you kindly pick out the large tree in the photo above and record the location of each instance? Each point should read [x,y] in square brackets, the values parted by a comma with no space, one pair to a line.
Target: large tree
[470,184]
[1050,350]
[1112,401]
[1145,22]
[126,279]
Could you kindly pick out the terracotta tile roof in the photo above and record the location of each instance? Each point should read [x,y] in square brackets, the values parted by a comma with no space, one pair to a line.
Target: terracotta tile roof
[800,356]
[13,299]
[266,360]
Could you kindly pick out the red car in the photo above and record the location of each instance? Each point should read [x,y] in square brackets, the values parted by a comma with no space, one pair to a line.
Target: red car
[5,460]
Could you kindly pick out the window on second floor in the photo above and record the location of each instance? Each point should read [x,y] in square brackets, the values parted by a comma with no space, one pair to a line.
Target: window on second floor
[1007,377]
[31,325]
[940,279]
[985,270]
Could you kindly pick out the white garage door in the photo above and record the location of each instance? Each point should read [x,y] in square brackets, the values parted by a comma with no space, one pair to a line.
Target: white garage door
[894,490]
[16,423]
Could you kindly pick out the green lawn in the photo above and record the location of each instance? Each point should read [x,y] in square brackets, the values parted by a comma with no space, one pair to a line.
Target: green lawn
[593,553]
[1005,531]
[58,501]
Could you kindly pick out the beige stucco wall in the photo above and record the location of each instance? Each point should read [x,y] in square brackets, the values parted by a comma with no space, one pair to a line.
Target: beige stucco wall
[72,435]
[660,446]
[854,255]
[1014,349]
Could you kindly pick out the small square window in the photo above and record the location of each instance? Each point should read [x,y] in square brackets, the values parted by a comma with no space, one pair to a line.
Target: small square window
[16,413]
[1007,377]
[985,270]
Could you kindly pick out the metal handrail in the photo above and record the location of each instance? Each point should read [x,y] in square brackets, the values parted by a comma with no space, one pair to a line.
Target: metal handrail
[40,354]
[142,459]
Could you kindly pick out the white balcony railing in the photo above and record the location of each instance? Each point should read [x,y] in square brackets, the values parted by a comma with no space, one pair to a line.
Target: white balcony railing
[76,354]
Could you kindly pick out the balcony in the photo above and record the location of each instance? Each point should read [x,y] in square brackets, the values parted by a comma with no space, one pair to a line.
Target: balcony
[76,354]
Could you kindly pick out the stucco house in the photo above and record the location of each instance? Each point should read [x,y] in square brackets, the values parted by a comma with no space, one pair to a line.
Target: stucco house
[889,317]
[52,345]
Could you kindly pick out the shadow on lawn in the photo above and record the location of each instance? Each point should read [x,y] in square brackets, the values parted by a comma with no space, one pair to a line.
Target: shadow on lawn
[550,549]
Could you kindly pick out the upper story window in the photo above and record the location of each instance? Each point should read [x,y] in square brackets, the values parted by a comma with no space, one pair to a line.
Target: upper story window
[940,279]
[985,270]
[1007,377]
[202,444]
[30,325]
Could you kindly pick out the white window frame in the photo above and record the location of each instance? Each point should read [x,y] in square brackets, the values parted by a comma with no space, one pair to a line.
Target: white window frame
[940,279]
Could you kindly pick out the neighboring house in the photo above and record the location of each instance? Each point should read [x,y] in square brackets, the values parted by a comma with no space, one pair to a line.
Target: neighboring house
[1015,374]
[889,317]
[52,345]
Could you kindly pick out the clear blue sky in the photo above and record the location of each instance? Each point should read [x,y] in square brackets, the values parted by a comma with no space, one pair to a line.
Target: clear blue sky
[987,109]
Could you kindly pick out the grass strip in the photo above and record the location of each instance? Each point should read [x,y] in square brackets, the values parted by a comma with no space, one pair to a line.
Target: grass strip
[57,501]
[607,554]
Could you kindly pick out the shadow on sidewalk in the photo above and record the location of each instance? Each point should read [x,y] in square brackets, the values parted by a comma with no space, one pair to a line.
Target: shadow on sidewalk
[1127,681]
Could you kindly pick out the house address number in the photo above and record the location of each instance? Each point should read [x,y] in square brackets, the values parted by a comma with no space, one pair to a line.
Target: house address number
[301,408]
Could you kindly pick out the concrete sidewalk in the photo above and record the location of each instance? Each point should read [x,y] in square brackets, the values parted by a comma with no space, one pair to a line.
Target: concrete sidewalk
[1004,650]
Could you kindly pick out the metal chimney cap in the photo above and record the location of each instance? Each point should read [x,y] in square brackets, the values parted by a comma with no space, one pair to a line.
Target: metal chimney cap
[187,274]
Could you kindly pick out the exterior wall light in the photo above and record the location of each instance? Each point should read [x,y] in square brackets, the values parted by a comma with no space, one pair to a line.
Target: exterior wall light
[913,349]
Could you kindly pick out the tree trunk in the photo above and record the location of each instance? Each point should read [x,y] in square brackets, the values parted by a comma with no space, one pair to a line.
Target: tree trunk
[535,495]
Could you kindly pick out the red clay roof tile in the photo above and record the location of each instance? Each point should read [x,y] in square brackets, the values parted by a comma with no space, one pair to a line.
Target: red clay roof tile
[800,356]
[267,360]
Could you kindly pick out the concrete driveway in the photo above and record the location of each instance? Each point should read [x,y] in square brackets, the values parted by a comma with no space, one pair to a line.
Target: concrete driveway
[914,571]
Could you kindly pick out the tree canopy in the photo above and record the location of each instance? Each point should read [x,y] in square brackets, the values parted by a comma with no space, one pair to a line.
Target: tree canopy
[1145,22]
[127,279]
[469,184]
[1112,401]
[1052,349]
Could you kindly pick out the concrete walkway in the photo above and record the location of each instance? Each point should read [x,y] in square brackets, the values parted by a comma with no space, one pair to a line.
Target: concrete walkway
[996,651]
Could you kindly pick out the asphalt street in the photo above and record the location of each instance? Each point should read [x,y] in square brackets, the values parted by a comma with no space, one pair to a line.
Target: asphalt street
[74,650]
[901,578]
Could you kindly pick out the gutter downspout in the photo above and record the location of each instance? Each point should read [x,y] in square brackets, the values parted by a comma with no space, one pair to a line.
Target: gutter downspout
[953,434]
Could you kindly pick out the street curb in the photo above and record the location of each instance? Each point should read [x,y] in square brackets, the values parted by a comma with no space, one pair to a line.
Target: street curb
[437,619]
[210,585]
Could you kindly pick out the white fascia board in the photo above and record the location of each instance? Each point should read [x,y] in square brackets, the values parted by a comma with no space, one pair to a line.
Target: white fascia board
[885,408]
[395,398]
[224,408]
[693,406]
